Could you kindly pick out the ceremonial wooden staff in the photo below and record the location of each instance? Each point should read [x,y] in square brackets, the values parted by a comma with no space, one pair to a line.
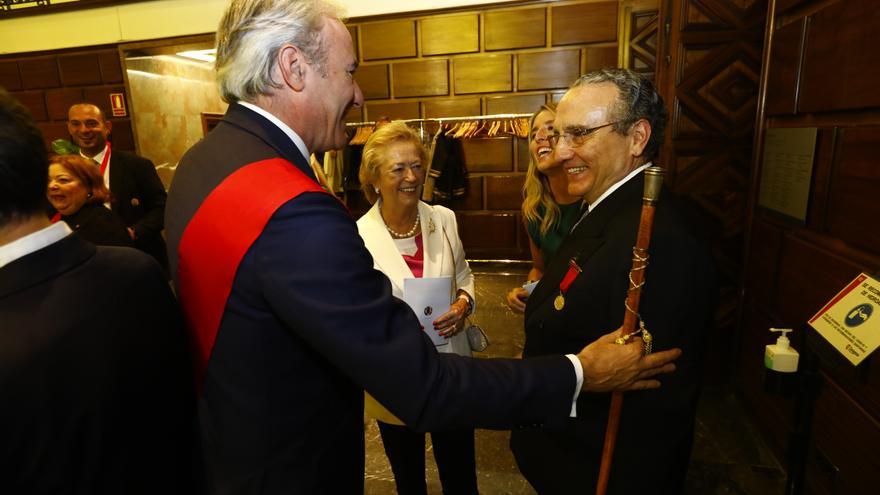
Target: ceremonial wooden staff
[653,182]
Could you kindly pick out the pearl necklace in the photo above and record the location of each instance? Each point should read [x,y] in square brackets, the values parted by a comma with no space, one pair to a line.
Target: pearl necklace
[409,233]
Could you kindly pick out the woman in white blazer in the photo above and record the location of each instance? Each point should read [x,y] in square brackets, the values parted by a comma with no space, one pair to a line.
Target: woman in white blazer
[407,239]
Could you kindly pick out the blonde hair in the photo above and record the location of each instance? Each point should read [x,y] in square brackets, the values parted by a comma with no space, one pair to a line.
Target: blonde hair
[374,153]
[252,32]
[536,190]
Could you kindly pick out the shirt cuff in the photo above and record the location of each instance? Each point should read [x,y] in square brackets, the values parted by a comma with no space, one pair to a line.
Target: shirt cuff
[579,376]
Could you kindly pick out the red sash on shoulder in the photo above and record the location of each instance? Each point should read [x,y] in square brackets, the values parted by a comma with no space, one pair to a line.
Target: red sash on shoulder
[217,238]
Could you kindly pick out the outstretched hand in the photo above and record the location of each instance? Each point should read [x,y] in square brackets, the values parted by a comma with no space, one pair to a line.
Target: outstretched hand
[614,367]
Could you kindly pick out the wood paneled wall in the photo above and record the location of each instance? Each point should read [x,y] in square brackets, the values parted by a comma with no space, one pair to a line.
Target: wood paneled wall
[49,83]
[821,68]
[508,58]
[485,61]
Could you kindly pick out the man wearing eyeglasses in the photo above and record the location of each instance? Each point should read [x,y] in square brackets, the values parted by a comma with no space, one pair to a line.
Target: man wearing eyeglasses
[609,128]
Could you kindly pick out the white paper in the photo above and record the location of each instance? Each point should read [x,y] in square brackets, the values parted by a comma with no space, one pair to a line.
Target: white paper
[429,298]
[530,286]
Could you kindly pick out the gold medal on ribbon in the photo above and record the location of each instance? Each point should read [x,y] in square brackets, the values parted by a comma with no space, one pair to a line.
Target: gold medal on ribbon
[559,302]
[573,271]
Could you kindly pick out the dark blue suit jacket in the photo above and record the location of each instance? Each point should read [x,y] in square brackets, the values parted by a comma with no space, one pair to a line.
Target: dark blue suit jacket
[309,325]
[94,390]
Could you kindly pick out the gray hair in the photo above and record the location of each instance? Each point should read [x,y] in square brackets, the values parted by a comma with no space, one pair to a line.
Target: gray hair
[252,32]
[637,99]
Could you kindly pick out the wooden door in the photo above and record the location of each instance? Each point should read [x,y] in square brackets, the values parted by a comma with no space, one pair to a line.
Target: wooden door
[709,64]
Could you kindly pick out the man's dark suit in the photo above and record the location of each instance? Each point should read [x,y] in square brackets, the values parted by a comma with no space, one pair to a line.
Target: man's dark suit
[139,199]
[95,389]
[309,324]
[657,426]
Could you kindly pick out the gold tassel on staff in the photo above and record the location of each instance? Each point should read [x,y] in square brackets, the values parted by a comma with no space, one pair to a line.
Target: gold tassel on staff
[653,183]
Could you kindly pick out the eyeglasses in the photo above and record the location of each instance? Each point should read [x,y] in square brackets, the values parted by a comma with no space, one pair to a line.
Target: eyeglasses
[577,136]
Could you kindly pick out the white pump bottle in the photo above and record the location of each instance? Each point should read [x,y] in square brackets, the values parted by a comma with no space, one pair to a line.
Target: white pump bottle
[781,357]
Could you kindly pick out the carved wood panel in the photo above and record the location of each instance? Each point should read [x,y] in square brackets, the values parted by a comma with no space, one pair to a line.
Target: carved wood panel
[509,29]
[402,110]
[841,36]
[450,34]
[373,80]
[488,154]
[584,23]
[423,78]
[452,107]
[10,78]
[643,38]
[548,70]
[504,192]
[514,103]
[59,101]
[391,39]
[599,57]
[483,74]
[844,455]
[79,69]
[710,84]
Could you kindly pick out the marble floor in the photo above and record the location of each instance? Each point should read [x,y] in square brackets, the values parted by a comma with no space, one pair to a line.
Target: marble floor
[729,456]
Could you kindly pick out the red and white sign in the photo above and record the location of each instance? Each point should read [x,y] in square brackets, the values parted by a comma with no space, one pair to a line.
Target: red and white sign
[117,104]
[848,321]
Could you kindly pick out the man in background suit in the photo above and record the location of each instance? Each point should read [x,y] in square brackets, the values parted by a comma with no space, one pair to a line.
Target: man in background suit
[95,390]
[609,129]
[292,325]
[138,195]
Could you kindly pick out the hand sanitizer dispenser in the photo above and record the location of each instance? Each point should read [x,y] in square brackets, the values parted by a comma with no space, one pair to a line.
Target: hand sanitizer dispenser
[781,357]
[781,363]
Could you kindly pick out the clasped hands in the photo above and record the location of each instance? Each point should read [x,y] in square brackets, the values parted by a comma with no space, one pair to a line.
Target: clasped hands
[614,367]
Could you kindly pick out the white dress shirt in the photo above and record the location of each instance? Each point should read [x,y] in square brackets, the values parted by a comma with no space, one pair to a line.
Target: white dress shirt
[608,192]
[300,144]
[33,242]
[100,158]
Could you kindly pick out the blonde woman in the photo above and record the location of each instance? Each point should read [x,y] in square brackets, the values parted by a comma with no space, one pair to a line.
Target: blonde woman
[548,210]
[410,239]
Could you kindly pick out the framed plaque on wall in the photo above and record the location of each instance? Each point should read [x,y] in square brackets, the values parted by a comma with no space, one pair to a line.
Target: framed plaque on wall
[787,170]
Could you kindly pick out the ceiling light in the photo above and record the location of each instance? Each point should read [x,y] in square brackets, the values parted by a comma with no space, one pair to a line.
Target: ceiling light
[200,55]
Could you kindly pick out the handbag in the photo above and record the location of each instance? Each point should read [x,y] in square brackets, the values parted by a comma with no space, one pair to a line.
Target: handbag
[477,338]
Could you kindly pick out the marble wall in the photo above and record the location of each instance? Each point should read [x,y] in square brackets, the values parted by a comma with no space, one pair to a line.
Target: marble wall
[168,95]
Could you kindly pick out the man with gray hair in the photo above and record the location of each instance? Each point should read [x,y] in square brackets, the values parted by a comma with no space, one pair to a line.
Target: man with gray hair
[288,318]
[609,128]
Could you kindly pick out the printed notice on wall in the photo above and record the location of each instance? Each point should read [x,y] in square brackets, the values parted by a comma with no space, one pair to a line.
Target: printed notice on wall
[848,321]
[786,170]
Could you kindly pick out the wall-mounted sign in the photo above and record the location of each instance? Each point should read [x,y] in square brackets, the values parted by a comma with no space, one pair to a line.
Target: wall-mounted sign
[117,104]
[786,170]
[851,320]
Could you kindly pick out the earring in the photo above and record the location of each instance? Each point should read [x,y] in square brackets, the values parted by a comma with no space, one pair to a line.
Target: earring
[376,188]
[89,195]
